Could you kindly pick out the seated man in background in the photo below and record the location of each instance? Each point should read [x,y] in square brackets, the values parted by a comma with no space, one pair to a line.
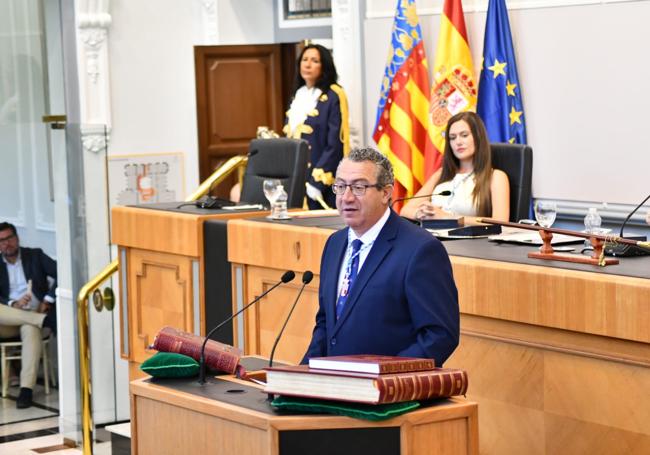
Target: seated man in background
[386,285]
[26,303]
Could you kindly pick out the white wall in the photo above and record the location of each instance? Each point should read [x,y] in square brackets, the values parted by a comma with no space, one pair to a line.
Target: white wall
[151,47]
[245,22]
[583,75]
[152,79]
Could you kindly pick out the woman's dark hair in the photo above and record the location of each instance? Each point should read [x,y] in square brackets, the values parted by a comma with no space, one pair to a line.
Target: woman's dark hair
[328,70]
[482,161]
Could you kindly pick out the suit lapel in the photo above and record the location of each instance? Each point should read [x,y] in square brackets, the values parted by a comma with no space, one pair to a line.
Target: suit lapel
[4,280]
[382,246]
[25,259]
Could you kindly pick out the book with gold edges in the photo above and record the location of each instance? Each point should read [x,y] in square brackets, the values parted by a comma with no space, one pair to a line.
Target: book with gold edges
[370,363]
[218,356]
[302,381]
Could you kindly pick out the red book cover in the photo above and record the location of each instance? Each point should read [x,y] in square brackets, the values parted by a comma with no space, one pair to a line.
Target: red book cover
[364,387]
[218,356]
[370,363]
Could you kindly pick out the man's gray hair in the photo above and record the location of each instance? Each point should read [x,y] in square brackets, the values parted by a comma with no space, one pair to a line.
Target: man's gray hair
[384,168]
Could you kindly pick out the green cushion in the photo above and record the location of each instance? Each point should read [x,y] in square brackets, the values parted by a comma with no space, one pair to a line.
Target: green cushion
[170,365]
[358,410]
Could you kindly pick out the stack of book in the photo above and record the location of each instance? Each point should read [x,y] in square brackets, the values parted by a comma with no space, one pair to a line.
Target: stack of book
[367,379]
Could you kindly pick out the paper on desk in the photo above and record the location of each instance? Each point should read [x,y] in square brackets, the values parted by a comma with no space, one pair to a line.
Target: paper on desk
[444,234]
[526,237]
[244,207]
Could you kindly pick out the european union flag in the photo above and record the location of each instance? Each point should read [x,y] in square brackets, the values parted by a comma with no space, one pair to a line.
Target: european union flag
[499,92]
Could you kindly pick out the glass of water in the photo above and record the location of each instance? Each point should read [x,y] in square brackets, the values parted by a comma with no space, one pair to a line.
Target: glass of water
[545,213]
[270,188]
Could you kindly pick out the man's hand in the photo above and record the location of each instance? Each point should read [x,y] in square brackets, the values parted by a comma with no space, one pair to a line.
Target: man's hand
[428,211]
[44,307]
[23,302]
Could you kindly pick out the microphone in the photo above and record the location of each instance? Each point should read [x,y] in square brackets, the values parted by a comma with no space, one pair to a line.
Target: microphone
[286,277]
[632,213]
[306,279]
[625,250]
[442,193]
[210,202]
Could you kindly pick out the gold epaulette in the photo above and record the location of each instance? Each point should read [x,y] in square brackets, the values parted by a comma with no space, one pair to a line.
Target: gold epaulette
[345,118]
[319,175]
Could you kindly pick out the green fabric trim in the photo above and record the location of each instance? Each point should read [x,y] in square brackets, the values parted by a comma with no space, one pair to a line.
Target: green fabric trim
[357,410]
[170,365]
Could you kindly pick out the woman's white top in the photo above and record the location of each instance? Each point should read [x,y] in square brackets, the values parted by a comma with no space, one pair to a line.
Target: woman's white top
[461,200]
[303,103]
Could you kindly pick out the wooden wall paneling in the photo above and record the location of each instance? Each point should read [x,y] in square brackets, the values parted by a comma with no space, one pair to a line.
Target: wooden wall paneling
[276,245]
[160,294]
[528,386]
[157,230]
[611,305]
[264,319]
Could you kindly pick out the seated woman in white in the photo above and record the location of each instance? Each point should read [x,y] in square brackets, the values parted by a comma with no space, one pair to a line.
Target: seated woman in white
[476,189]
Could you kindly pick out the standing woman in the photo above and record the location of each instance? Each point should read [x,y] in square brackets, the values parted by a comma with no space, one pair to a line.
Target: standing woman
[476,188]
[319,114]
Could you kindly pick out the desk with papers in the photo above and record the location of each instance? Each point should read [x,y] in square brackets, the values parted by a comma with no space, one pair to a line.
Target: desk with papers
[558,354]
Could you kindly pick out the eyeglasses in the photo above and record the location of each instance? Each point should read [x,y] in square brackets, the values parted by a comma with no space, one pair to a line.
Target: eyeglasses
[358,189]
[8,238]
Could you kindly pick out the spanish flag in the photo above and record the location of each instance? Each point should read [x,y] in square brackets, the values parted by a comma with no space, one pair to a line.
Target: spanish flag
[401,125]
[454,87]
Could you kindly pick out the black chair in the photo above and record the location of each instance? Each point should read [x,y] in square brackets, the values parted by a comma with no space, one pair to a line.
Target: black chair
[282,158]
[516,160]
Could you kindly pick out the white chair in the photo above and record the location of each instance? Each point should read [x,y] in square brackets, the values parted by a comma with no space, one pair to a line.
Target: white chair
[10,350]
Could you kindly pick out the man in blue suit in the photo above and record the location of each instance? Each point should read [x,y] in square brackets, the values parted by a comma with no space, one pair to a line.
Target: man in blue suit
[393,293]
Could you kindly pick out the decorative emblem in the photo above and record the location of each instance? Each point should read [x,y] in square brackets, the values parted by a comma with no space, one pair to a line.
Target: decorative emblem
[451,95]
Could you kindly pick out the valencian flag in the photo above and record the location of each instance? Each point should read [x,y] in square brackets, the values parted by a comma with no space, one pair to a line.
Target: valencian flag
[499,95]
[401,125]
[454,87]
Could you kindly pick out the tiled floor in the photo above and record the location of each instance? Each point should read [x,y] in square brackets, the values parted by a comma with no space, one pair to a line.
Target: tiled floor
[45,444]
[35,430]
[44,406]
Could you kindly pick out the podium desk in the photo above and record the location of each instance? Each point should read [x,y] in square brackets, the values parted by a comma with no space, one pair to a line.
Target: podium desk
[558,354]
[183,417]
[173,271]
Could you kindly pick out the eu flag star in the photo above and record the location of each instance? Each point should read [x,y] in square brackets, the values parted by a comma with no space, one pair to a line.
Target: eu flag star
[510,88]
[515,116]
[497,68]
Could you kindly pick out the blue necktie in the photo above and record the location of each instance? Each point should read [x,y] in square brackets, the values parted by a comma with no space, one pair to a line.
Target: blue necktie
[354,269]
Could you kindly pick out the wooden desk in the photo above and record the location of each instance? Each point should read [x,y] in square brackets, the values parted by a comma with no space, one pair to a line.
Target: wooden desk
[162,273]
[194,419]
[558,358]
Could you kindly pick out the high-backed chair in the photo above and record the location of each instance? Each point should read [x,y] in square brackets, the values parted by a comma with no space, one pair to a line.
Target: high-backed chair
[516,160]
[281,158]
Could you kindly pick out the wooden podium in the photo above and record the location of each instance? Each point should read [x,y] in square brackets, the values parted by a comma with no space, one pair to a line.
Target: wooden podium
[183,417]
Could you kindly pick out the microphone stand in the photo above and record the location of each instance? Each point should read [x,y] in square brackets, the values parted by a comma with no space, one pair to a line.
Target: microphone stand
[286,277]
[632,213]
[402,199]
[306,279]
